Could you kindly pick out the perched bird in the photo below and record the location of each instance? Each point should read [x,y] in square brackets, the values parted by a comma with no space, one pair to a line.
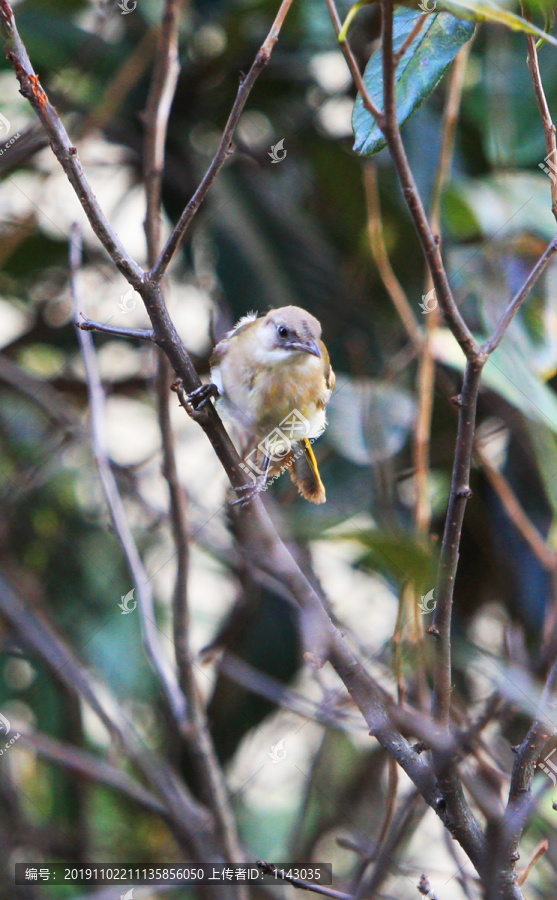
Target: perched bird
[273,379]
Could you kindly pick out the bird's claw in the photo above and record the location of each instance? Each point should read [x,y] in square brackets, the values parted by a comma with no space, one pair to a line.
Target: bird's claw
[201,397]
[197,402]
[251,491]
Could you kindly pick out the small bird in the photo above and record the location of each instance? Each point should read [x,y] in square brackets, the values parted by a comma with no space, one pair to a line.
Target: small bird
[272,377]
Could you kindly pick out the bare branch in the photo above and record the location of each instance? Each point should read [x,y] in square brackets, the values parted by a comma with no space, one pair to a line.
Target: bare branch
[198,738]
[516,512]
[91,767]
[381,258]
[281,875]
[514,305]
[225,146]
[543,106]
[87,324]
[142,584]
[527,756]
[62,147]
[410,37]
[353,65]
[157,111]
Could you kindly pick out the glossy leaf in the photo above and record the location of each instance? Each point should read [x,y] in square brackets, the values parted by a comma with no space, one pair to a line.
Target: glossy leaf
[418,73]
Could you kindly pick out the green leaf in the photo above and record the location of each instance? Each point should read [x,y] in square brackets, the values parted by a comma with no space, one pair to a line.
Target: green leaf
[418,73]
[486,11]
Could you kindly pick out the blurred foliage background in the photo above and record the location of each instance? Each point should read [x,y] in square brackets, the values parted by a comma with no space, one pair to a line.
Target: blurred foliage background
[269,234]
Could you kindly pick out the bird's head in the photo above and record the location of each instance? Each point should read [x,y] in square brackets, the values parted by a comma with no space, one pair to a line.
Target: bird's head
[292,330]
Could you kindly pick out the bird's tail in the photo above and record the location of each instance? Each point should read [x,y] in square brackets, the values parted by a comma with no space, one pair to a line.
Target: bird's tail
[305,473]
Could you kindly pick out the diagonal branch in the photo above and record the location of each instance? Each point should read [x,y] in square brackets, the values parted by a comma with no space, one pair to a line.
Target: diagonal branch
[174,695]
[62,147]
[90,766]
[514,305]
[225,147]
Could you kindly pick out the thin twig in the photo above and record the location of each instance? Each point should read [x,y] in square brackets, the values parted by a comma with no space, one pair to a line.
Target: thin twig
[545,555]
[281,875]
[157,111]
[62,147]
[225,147]
[545,113]
[381,258]
[353,65]
[91,767]
[524,768]
[459,811]
[430,246]
[426,368]
[418,25]
[86,324]
[514,305]
[142,584]
[426,364]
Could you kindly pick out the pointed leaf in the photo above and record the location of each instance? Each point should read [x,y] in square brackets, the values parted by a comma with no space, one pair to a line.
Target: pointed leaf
[418,73]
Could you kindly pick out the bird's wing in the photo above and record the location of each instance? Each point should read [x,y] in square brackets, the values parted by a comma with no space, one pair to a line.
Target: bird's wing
[221,349]
[330,378]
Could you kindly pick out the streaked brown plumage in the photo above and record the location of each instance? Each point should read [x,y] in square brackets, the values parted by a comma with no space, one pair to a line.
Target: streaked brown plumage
[268,368]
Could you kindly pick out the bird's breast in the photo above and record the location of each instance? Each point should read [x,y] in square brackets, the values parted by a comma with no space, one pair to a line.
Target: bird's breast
[265,389]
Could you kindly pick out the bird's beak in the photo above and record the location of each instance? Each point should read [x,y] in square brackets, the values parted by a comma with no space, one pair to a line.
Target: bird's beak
[309,346]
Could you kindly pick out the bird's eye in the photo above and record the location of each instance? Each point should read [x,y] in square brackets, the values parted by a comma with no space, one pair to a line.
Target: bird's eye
[283,331]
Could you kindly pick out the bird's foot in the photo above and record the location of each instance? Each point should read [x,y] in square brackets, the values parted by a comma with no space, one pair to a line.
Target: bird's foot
[248,493]
[201,397]
[197,402]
